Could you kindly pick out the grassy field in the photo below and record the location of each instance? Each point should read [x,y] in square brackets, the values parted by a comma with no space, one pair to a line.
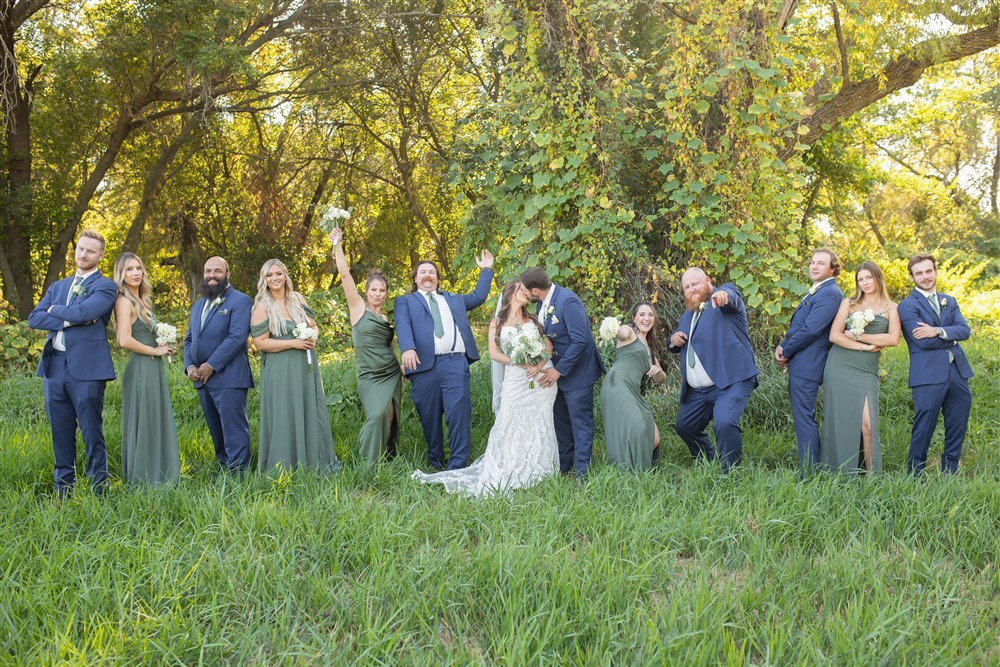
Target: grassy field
[679,564]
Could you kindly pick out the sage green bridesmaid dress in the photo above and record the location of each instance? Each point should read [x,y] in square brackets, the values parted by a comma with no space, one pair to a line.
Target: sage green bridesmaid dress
[380,386]
[849,378]
[149,437]
[629,429]
[294,420]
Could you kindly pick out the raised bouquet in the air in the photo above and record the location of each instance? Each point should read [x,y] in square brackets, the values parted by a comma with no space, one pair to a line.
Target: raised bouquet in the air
[332,217]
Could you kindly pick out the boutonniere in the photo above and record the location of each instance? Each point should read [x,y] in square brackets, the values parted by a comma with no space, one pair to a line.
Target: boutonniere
[702,306]
[550,314]
[79,290]
[943,302]
[216,302]
[812,290]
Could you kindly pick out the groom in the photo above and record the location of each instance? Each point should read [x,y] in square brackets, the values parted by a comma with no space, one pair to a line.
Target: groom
[437,345]
[215,356]
[939,370]
[76,362]
[804,349]
[576,366]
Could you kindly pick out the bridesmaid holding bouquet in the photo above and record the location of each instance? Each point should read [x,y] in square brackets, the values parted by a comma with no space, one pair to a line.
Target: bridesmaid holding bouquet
[380,381]
[149,439]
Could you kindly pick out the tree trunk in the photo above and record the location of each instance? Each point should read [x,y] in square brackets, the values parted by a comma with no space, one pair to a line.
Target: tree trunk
[898,74]
[15,264]
[154,183]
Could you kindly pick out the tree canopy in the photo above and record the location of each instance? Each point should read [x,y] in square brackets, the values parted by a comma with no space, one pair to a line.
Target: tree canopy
[612,141]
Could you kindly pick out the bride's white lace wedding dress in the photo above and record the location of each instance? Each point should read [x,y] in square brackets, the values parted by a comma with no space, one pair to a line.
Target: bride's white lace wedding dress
[522,447]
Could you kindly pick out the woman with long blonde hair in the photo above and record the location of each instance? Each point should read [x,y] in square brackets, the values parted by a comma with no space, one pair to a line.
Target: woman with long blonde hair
[294,420]
[149,439]
[866,323]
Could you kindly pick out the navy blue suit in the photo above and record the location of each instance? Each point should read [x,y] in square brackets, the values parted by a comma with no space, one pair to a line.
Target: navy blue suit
[721,340]
[575,357]
[440,384]
[938,384]
[806,346]
[74,380]
[222,342]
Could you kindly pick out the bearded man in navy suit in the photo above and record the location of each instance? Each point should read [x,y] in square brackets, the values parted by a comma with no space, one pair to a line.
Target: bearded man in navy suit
[939,370]
[76,362]
[215,356]
[718,372]
[804,349]
[576,367]
[437,345]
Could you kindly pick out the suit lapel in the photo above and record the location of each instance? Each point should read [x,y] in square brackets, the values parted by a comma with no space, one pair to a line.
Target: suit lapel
[926,306]
[196,326]
[212,311]
[552,304]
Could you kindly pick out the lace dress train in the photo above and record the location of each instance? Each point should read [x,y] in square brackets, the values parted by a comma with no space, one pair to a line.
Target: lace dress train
[522,446]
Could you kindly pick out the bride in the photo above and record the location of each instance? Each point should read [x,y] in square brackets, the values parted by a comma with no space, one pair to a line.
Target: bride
[522,446]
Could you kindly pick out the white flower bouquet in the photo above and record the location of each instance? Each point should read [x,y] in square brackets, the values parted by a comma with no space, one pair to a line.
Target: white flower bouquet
[858,320]
[303,331]
[524,345]
[609,329]
[166,334]
[332,217]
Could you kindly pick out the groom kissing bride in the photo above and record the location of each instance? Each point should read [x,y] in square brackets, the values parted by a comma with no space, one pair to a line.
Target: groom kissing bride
[545,414]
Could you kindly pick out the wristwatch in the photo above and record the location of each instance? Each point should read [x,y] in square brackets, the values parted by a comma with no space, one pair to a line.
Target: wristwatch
[940,332]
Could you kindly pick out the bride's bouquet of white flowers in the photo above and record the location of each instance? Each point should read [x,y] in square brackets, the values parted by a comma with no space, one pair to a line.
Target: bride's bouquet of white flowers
[303,331]
[858,320]
[524,345]
[166,334]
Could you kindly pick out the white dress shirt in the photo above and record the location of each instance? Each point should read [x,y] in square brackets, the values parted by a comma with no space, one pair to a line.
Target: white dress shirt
[543,311]
[928,295]
[451,341]
[58,343]
[697,376]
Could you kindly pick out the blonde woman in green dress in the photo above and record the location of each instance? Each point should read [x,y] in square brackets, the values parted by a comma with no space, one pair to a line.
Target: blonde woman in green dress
[850,442]
[149,439]
[294,420]
[380,380]
[631,437]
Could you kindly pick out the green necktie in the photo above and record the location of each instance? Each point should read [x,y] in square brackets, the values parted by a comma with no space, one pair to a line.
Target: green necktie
[690,354]
[937,309]
[436,315]
[205,311]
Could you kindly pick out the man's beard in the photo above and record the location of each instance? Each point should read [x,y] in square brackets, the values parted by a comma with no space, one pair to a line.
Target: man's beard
[212,290]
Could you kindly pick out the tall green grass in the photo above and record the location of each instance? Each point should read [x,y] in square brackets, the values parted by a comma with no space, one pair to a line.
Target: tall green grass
[680,565]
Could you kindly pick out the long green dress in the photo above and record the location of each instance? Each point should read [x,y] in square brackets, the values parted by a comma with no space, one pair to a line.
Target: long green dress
[629,429]
[294,420]
[149,438]
[380,385]
[849,378]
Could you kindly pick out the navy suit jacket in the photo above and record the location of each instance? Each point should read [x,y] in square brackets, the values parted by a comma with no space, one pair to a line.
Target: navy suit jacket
[88,356]
[415,326]
[222,342]
[807,343]
[929,356]
[721,340]
[574,351]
